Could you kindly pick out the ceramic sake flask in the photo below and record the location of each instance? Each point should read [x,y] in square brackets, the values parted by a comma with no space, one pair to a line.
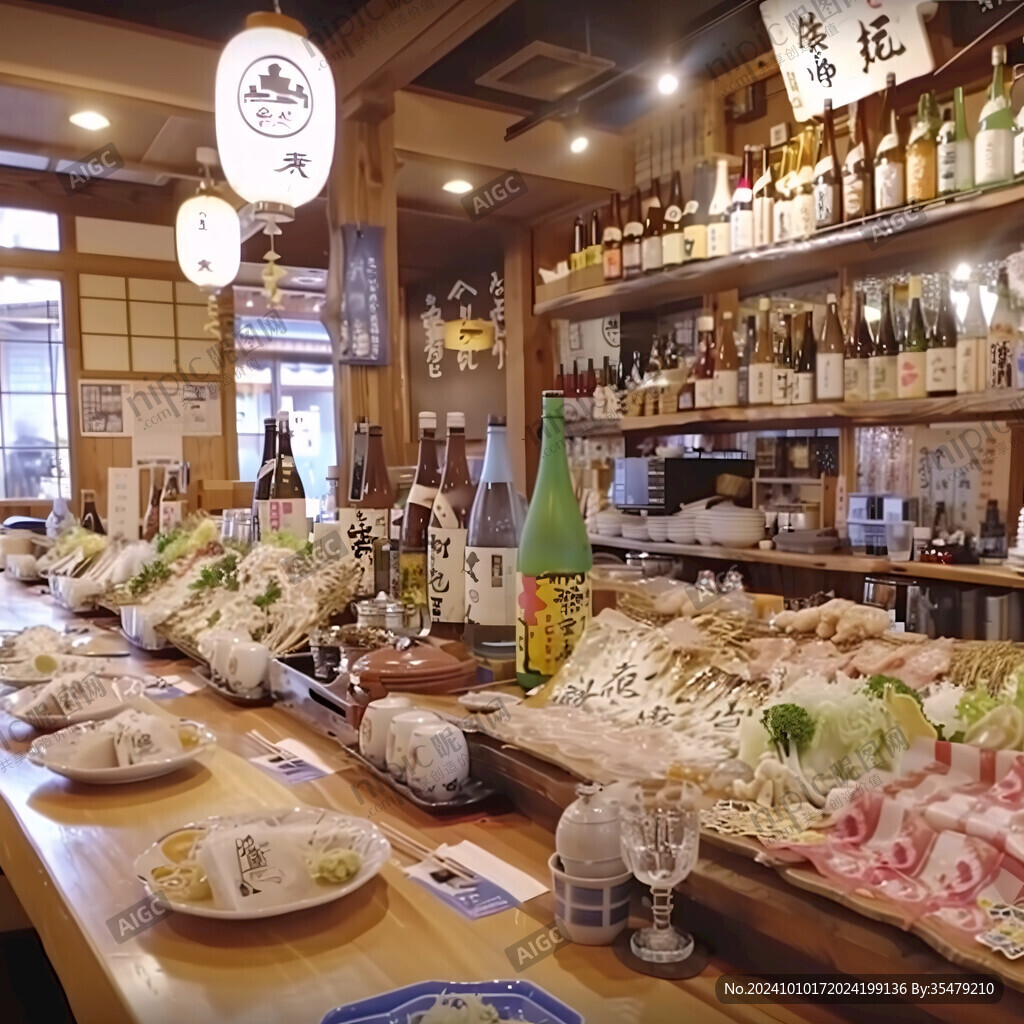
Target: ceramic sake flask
[587,837]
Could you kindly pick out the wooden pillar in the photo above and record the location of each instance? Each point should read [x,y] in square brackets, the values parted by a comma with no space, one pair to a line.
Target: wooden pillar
[361,190]
[528,360]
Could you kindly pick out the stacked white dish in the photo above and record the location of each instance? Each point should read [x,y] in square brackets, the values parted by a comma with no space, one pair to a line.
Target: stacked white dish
[683,527]
[734,527]
[702,524]
[657,528]
[634,528]
[609,522]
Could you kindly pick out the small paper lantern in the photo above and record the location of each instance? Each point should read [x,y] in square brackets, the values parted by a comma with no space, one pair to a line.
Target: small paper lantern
[275,115]
[468,335]
[208,237]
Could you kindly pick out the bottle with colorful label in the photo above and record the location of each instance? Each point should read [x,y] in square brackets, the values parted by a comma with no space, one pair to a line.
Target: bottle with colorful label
[416,517]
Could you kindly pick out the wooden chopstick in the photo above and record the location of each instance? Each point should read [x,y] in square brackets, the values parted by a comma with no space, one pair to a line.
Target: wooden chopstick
[413,847]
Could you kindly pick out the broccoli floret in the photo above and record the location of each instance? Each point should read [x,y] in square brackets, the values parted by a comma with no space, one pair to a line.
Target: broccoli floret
[973,705]
[876,687]
[789,726]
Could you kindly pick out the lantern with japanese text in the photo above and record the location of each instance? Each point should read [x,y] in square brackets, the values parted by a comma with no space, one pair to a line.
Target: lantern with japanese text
[275,111]
[208,239]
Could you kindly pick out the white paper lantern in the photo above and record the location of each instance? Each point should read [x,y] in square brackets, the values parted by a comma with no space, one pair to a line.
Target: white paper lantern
[275,115]
[209,240]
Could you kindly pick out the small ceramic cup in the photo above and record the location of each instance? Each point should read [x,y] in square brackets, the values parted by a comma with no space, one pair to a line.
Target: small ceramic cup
[590,911]
[247,665]
[438,761]
[398,751]
[373,729]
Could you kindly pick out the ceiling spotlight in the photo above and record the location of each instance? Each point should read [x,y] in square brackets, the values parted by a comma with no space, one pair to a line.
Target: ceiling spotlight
[89,120]
[668,83]
[579,143]
[458,186]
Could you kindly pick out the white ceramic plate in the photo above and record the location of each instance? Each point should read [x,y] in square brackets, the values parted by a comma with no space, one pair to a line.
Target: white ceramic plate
[313,823]
[487,700]
[56,752]
[95,705]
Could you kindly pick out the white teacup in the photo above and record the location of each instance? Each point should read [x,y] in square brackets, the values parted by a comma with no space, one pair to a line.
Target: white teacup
[438,761]
[216,646]
[247,665]
[398,751]
[373,729]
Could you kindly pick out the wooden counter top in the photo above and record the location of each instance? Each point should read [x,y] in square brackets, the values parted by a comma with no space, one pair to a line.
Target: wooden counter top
[67,850]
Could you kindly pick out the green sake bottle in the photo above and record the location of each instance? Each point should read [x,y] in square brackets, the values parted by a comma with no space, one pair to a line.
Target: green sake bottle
[555,559]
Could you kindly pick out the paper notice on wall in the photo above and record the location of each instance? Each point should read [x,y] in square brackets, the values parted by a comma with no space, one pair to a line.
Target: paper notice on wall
[157,435]
[843,49]
[123,502]
[200,409]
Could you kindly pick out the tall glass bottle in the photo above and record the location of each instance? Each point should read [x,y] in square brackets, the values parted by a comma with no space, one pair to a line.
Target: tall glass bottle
[1002,337]
[782,382]
[704,371]
[942,346]
[673,250]
[803,373]
[632,238]
[446,547]
[611,242]
[857,187]
[725,388]
[972,344]
[329,500]
[286,506]
[594,239]
[856,368]
[762,359]
[828,186]
[492,542]
[578,256]
[741,213]
[651,253]
[718,212]
[553,602]
[829,379]
[803,201]
[882,366]
[890,161]
[261,489]
[90,516]
[764,201]
[695,214]
[366,523]
[922,179]
[993,143]
[915,361]
[784,226]
[172,500]
[416,518]
[955,151]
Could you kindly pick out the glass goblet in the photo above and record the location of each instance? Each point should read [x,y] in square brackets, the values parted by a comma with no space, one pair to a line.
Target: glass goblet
[660,838]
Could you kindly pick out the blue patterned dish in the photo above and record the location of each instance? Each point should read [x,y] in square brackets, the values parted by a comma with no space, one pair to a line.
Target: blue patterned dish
[514,1000]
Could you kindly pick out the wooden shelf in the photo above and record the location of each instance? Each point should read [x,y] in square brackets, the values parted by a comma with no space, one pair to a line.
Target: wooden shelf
[1007,404]
[872,242]
[979,575]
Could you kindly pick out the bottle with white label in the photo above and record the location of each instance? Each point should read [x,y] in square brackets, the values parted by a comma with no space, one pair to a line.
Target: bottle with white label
[804,372]
[972,344]
[632,239]
[782,381]
[718,213]
[172,501]
[884,361]
[446,538]
[725,389]
[803,201]
[942,346]
[782,223]
[856,367]
[492,542]
[993,143]
[857,192]
[1002,338]
[764,202]
[741,215]
[917,367]
[956,150]
[830,384]
[651,253]
[704,371]
[672,247]
[416,515]
[828,188]
[762,359]
[695,222]
[890,160]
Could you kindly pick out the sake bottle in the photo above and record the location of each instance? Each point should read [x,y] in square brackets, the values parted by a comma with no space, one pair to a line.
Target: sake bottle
[857,190]
[762,358]
[884,360]
[741,215]
[725,390]
[416,517]
[972,344]
[955,154]
[1002,337]
[993,143]
[921,151]
[764,202]
[829,363]
[695,215]
[890,161]
[803,200]
[286,507]
[719,234]
[918,367]
[553,569]
[492,542]
[942,346]
[261,488]
[856,368]
[828,182]
[673,250]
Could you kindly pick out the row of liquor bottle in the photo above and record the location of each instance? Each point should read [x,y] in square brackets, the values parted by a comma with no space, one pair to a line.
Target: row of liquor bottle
[511,581]
[812,188]
[780,361]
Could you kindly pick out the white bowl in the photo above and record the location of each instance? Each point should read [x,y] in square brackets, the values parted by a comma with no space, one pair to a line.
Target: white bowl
[657,528]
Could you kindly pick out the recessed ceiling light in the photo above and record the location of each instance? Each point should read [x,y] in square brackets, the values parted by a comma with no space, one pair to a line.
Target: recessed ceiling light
[668,83]
[248,303]
[458,186]
[90,120]
[579,143]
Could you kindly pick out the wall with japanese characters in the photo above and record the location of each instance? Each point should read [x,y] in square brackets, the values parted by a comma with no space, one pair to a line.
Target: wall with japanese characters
[444,380]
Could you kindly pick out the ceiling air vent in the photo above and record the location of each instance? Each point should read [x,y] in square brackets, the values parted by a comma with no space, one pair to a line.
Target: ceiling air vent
[542,71]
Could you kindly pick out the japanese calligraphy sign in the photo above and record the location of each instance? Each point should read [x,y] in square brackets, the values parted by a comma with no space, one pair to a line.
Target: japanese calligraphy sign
[275,117]
[553,612]
[843,49]
[364,305]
